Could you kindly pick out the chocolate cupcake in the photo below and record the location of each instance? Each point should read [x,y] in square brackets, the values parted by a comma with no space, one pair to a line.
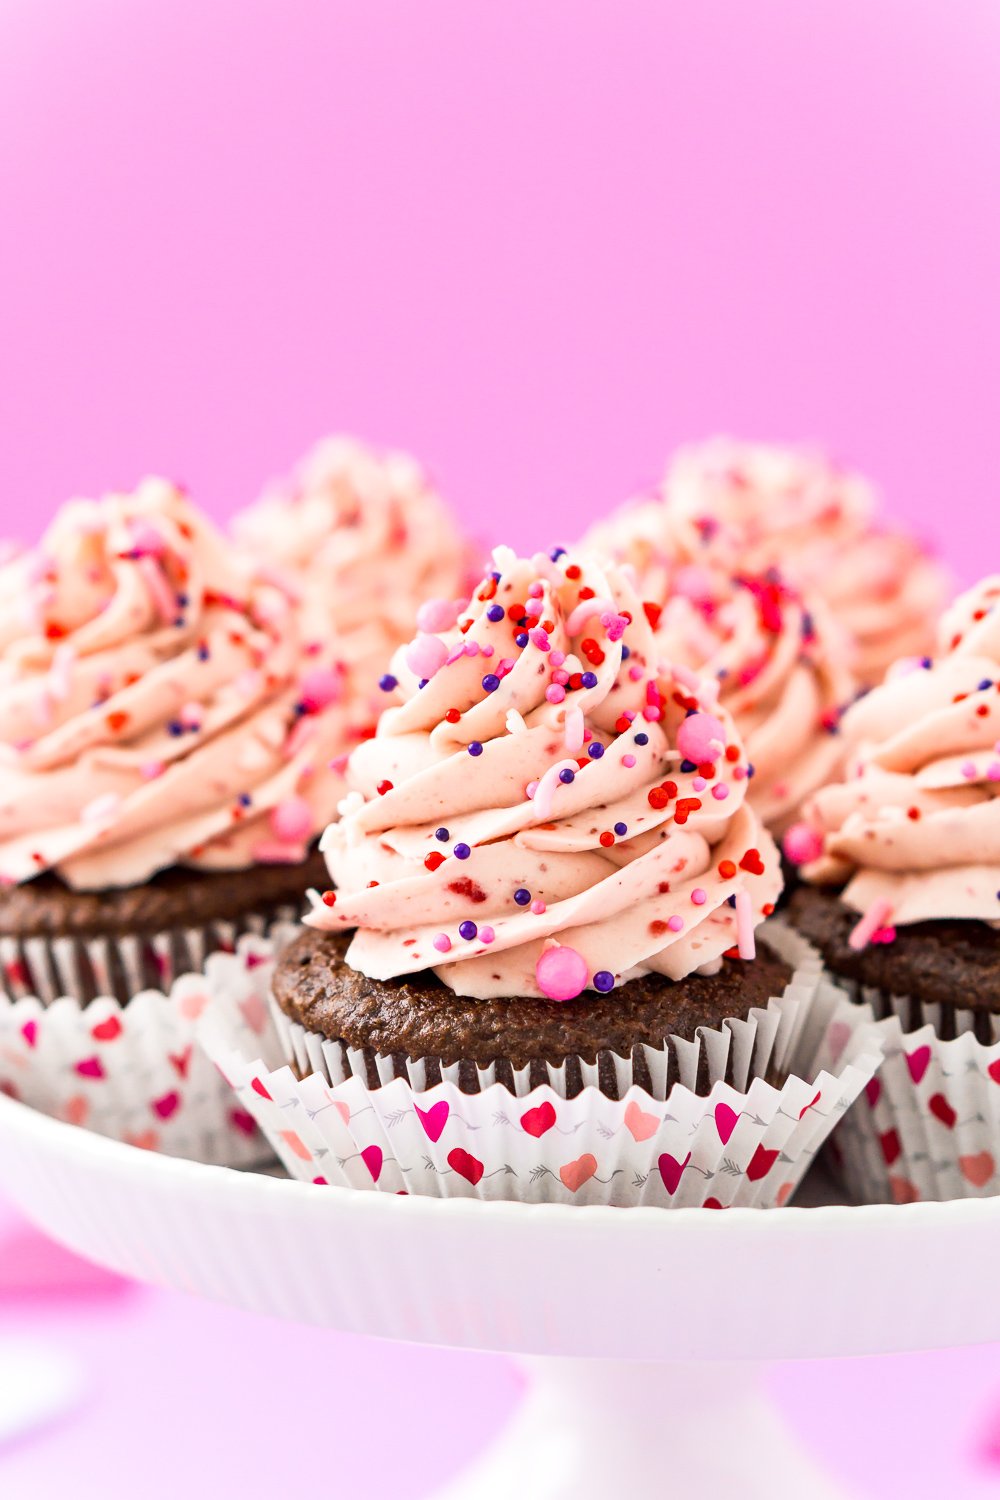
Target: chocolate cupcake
[913,839]
[547,884]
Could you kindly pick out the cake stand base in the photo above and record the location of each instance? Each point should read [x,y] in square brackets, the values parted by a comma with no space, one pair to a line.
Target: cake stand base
[594,1428]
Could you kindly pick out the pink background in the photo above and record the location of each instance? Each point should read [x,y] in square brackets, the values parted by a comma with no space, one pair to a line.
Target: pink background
[539,244]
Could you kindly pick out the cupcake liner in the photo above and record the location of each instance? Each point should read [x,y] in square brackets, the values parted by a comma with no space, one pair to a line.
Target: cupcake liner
[928,1127]
[133,1071]
[119,966]
[746,1144]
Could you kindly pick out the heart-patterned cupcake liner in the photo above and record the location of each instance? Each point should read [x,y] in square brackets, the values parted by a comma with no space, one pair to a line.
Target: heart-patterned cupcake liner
[132,1071]
[928,1126]
[728,1145]
[122,966]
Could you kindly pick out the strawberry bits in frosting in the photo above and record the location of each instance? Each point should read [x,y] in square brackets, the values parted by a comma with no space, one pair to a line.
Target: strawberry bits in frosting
[915,830]
[547,811]
[156,703]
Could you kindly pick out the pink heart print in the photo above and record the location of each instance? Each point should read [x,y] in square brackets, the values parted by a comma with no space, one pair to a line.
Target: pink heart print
[90,1067]
[30,1032]
[540,1119]
[434,1119]
[575,1173]
[671,1171]
[242,1121]
[918,1062]
[640,1125]
[297,1145]
[726,1120]
[994,1070]
[107,1031]
[977,1168]
[372,1158]
[166,1106]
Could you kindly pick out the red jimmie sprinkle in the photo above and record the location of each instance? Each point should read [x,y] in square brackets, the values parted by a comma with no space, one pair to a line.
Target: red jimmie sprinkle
[652,613]
[383,787]
[433,860]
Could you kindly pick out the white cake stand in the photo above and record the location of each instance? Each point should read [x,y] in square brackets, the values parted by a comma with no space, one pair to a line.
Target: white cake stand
[645,1328]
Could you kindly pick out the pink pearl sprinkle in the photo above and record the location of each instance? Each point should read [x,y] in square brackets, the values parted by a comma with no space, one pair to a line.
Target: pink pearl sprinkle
[320,687]
[802,844]
[739,773]
[538,907]
[561,677]
[471,648]
[700,738]
[628,761]
[634,673]
[534,608]
[557,658]
[746,943]
[484,650]
[698,784]
[969,770]
[535,591]
[426,655]
[698,896]
[437,614]
[720,791]
[676,924]
[486,934]
[531,789]
[561,973]
[150,769]
[993,771]
[442,943]
[555,693]
[292,820]
[651,713]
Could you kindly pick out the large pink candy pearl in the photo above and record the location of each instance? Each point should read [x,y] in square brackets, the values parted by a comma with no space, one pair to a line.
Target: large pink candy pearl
[802,844]
[438,614]
[695,736]
[320,687]
[561,973]
[426,655]
[292,820]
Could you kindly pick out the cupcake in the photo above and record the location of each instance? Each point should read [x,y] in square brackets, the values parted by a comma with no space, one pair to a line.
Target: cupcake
[751,507]
[165,760]
[363,538]
[545,887]
[904,858]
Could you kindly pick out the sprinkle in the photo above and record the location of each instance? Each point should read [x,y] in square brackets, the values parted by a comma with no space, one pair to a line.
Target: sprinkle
[698,896]
[699,784]
[554,693]
[802,843]
[969,770]
[434,860]
[486,934]
[438,614]
[607,839]
[426,655]
[567,777]
[521,639]
[573,728]
[542,795]
[595,750]
[745,941]
[538,908]
[539,638]
[604,981]
[676,924]
[561,973]
[467,930]
[462,851]
[292,820]
[588,679]
[557,658]
[495,613]
[323,686]
[475,748]
[159,589]
[628,761]
[150,769]
[621,829]
[720,792]
[727,869]
[491,682]
[642,739]
[442,834]
[993,771]
[383,787]
[876,916]
[522,896]
[442,943]
[329,898]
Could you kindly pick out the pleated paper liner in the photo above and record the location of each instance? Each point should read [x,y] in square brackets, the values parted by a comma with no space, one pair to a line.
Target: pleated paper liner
[119,966]
[928,1126]
[133,1071]
[744,1141]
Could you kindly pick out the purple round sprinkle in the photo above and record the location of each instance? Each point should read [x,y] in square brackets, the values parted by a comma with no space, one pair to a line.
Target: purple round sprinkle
[491,682]
[468,930]
[522,896]
[387,683]
[642,739]
[596,750]
[588,679]
[495,613]
[621,829]
[604,981]
[475,748]
[442,834]
[461,851]
[521,639]
[567,775]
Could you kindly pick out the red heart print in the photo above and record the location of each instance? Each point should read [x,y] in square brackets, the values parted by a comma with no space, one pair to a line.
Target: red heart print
[167,1105]
[903,1190]
[30,1032]
[434,1119]
[994,1070]
[891,1147]
[806,1108]
[372,1158]
[873,1091]
[77,1109]
[538,1120]
[942,1110]
[712,1203]
[640,1125]
[181,1061]
[259,1088]
[254,960]
[785,1191]
[297,1145]
[671,1171]
[242,1121]
[465,1165]
[726,1120]
[91,1067]
[107,1031]
[144,1140]
[575,1173]
[977,1168]
[761,1163]
[918,1062]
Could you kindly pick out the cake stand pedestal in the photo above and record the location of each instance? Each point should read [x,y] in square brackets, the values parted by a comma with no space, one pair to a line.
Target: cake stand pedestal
[644,1328]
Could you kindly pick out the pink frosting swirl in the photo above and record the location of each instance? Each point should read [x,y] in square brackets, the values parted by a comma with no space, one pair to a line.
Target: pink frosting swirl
[156,702]
[755,506]
[364,538]
[526,821]
[915,830]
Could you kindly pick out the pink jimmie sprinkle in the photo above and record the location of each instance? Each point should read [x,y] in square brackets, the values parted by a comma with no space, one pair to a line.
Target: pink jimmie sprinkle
[150,769]
[745,941]
[540,638]
[561,973]
[586,611]
[163,597]
[875,917]
[573,730]
[544,791]
[442,943]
